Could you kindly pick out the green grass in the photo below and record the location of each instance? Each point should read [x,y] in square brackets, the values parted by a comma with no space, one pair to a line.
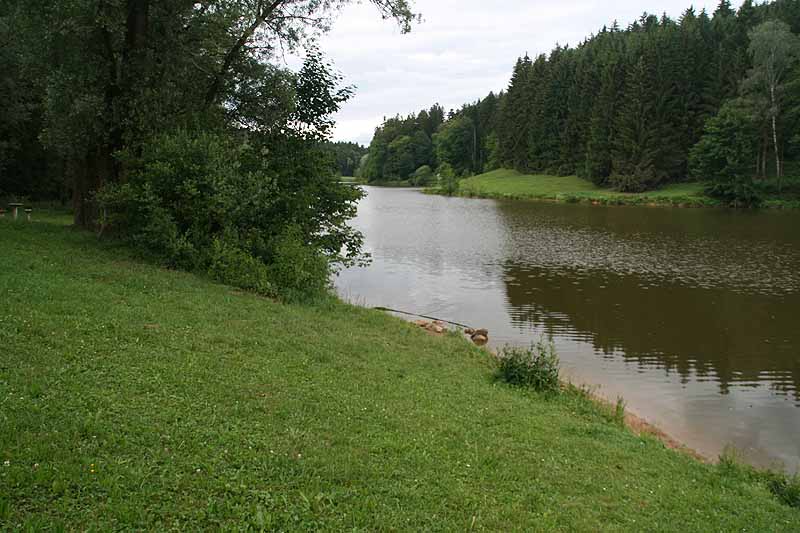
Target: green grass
[397,184]
[510,184]
[136,398]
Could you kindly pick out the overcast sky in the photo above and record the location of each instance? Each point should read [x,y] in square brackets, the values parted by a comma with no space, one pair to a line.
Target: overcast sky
[462,50]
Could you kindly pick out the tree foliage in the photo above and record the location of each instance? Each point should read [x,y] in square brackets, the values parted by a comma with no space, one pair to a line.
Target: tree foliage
[347,157]
[726,155]
[173,125]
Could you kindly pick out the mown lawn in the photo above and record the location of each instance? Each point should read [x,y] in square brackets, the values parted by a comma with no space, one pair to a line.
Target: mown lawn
[135,398]
[511,184]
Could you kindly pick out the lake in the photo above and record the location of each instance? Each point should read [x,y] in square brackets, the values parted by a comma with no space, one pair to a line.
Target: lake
[690,315]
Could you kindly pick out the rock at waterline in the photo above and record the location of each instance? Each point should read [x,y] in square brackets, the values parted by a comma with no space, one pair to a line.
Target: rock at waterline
[434,327]
[480,340]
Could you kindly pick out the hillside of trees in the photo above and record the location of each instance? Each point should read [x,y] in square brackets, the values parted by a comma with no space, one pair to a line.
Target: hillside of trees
[347,156]
[628,108]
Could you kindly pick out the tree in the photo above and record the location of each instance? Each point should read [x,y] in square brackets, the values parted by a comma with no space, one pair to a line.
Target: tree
[456,144]
[774,50]
[600,138]
[422,146]
[347,157]
[117,72]
[726,155]
[448,181]
[512,130]
[636,147]
[399,159]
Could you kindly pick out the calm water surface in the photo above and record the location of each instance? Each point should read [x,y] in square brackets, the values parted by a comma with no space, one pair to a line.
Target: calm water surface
[690,315]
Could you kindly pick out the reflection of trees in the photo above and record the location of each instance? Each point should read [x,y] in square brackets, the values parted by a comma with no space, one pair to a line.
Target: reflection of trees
[736,338]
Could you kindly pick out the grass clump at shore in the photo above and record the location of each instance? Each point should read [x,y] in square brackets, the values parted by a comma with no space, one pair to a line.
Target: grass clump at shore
[785,487]
[138,398]
[537,367]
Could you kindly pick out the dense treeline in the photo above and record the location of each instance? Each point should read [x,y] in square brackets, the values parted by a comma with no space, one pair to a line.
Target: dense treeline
[412,147]
[173,125]
[626,107]
[347,157]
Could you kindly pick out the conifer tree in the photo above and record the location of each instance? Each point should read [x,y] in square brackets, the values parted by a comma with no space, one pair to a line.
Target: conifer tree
[636,145]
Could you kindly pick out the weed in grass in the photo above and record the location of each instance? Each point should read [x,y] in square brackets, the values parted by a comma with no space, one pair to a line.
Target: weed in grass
[786,488]
[537,367]
[619,411]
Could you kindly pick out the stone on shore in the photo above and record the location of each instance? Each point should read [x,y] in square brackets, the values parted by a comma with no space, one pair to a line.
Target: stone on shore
[480,340]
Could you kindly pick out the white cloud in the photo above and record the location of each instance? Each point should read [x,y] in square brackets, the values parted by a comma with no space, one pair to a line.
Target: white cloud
[462,50]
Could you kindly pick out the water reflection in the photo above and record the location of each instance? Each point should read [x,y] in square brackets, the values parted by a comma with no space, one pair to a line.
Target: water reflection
[688,314]
[700,333]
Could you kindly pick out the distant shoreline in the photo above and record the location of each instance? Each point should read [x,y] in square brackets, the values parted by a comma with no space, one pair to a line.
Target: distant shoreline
[505,184]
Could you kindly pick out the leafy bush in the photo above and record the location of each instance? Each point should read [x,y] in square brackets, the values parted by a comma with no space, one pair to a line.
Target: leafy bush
[422,176]
[640,179]
[209,202]
[230,264]
[736,192]
[448,181]
[784,487]
[298,270]
[537,367]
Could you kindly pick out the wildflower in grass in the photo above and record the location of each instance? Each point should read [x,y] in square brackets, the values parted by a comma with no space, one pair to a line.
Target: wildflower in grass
[7,463]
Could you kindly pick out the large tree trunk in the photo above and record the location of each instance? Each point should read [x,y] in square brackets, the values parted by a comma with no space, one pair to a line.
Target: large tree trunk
[778,172]
[97,169]
[101,166]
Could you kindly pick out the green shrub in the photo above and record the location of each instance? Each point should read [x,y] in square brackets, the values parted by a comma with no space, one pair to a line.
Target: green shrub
[735,191]
[448,182]
[640,179]
[537,368]
[298,271]
[208,202]
[230,264]
[619,412]
[784,487]
[422,177]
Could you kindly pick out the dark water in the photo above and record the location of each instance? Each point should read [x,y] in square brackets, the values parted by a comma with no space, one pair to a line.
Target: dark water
[690,315]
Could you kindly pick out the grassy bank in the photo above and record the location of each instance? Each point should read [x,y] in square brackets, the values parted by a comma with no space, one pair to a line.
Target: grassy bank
[510,184]
[400,184]
[137,398]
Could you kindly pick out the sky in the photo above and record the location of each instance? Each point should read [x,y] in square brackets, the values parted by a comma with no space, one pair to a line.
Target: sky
[462,50]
